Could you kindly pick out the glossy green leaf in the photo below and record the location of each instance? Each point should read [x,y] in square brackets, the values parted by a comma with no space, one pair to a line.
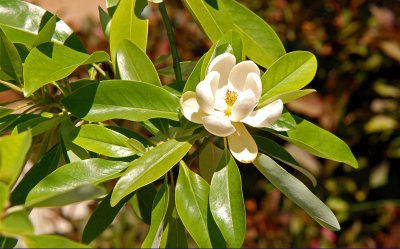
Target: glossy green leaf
[285,122]
[134,64]
[131,134]
[159,209]
[3,196]
[12,160]
[273,149]
[101,218]
[136,101]
[16,223]
[226,201]
[38,125]
[105,22]
[297,192]
[71,151]
[51,62]
[10,62]
[151,166]
[38,171]
[261,43]
[161,59]
[46,32]
[287,97]
[291,72]
[319,142]
[50,241]
[72,176]
[5,111]
[186,69]
[127,24]
[208,160]
[24,27]
[191,198]
[135,145]
[142,201]
[103,141]
[194,77]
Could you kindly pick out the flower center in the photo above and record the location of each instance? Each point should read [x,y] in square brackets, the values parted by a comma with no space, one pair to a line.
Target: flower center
[230,99]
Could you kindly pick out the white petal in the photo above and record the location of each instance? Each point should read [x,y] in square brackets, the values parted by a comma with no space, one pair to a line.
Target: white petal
[238,75]
[190,108]
[222,64]
[242,145]
[219,126]
[243,106]
[220,103]
[205,92]
[265,116]
[253,82]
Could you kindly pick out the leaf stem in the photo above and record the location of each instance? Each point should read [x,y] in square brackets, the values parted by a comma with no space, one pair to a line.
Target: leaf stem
[12,86]
[101,71]
[171,38]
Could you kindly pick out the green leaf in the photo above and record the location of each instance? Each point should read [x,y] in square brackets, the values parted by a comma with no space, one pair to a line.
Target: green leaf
[7,242]
[191,198]
[159,209]
[194,77]
[112,6]
[285,122]
[101,218]
[72,176]
[71,151]
[81,83]
[135,145]
[51,62]
[10,63]
[261,43]
[176,87]
[103,141]
[23,51]
[186,68]
[226,201]
[133,64]
[127,24]
[161,59]
[5,111]
[208,161]
[46,32]
[38,125]
[3,196]
[286,97]
[9,122]
[105,22]
[142,201]
[273,149]
[24,27]
[297,192]
[291,72]
[16,223]
[135,101]
[50,241]
[151,166]
[131,134]
[38,171]
[319,142]
[12,160]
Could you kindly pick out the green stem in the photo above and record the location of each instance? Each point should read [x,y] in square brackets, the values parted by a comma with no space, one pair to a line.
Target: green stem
[101,71]
[12,86]
[170,34]
[60,87]
[67,85]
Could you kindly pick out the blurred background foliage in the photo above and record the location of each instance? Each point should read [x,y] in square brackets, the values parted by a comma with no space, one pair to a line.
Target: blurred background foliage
[357,45]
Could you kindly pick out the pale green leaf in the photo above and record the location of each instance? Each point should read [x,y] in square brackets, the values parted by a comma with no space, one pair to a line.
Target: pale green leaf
[50,241]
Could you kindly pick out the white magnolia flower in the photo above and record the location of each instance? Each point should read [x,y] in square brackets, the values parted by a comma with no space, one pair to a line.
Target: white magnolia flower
[226,99]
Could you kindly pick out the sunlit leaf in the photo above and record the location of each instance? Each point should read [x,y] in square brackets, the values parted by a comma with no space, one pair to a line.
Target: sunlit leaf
[10,63]
[16,223]
[50,241]
[46,32]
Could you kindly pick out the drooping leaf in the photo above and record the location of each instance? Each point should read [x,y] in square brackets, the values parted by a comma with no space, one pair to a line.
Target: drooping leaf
[191,198]
[101,218]
[10,63]
[12,160]
[136,101]
[51,62]
[151,166]
[50,241]
[226,201]
[134,64]
[71,151]
[159,209]
[16,223]
[38,171]
[46,32]
[72,176]
[319,142]
[208,161]
[287,96]
[297,192]
[142,201]
[24,26]
[291,72]
[127,23]
[103,141]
